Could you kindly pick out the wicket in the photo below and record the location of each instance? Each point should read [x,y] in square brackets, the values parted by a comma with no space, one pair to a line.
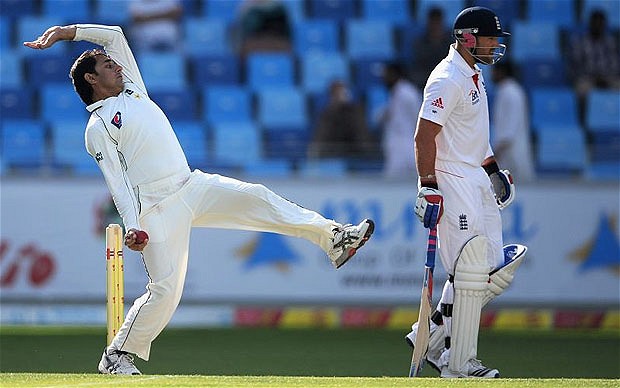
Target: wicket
[114,287]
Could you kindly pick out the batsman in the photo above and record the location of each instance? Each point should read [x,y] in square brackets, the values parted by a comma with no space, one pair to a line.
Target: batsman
[461,190]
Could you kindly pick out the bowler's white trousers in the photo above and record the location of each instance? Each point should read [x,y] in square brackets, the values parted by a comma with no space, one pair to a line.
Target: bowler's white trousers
[170,208]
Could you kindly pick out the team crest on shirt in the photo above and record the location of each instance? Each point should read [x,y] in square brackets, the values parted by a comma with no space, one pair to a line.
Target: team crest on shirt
[475,96]
[117,120]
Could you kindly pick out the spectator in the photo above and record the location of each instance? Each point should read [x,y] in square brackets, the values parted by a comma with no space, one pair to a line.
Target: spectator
[430,47]
[262,25]
[398,119]
[341,131]
[156,24]
[510,127]
[594,58]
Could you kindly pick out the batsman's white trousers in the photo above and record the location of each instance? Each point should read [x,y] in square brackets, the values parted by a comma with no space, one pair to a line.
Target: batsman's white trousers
[171,207]
[469,210]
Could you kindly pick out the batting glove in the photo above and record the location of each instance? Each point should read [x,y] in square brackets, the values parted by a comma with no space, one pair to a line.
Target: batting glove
[429,206]
[503,185]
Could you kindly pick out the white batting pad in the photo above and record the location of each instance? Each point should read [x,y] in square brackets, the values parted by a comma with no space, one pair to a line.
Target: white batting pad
[470,284]
[501,277]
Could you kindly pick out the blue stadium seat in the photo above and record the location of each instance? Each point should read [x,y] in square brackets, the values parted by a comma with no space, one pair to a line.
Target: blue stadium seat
[561,150]
[543,73]
[315,35]
[112,12]
[11,69]
[225,10]
[295,10]
[318,70]
[206,37]
[376,98]
[506,10]
[269,168]
[61,102]
[6,26]
[450,9]
[367,73]
[534,40]
[332,9]
[227,104]
[193,139]
[603,111]
[561,13]
[236,144]
[16,103]
[49,69]
[17,8]
[407,35]
[68,149]
[215,70]
[290,144]
[553,106]
[282,108]
[71,11]
[395,11]
[178,105]
[603,171]
[23,144]
[162,70]
[369,39]
[268,70]
[30,28]
[610,7]
[323,168]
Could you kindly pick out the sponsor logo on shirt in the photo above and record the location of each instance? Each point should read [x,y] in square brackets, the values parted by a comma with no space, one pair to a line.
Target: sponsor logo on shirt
[117,120]
[438,102]
[475,96]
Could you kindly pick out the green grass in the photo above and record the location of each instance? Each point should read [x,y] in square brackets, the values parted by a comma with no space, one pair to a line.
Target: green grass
[272,357]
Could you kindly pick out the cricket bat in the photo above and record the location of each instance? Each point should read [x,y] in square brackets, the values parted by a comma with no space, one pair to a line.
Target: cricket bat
[424,317]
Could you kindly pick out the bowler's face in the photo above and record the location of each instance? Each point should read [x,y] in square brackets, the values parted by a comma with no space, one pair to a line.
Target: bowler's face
[109,75]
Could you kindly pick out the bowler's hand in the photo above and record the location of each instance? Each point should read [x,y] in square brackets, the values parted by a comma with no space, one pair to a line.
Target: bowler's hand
[51,36]
[136,239]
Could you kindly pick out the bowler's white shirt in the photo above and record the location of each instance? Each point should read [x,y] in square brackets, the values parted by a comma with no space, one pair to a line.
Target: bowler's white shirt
[128,135]
[452,100]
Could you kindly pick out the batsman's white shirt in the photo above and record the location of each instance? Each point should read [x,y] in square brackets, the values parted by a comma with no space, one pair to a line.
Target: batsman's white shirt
[154,190]
[453,100]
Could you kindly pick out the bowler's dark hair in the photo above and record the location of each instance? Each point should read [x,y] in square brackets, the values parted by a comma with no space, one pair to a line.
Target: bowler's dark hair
[84,64]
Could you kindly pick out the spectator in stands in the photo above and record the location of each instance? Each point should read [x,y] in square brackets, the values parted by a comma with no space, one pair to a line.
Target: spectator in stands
[341,129]
[594,58]
[398,119]
[262,25]
[430,47]
[156,25]
[510,127]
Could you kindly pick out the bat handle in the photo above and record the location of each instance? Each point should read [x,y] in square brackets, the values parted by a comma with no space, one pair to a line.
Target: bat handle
[431,248]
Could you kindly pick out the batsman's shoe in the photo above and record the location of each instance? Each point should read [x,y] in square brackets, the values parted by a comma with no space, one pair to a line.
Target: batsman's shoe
[475,369]
[348,239]
[115,362]
[435,344]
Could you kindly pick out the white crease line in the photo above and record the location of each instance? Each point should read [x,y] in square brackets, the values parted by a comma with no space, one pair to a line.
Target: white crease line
[111,382]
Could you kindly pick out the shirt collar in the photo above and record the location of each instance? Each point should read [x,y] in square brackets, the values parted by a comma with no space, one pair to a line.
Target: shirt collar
[94,105]
[456,58]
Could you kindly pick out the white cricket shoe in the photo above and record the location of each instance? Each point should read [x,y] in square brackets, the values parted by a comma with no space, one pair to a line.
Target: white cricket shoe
[348,239]
[475,369]
[115,362]
[435,343]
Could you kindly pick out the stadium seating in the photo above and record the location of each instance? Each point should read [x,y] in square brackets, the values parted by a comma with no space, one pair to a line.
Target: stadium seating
[561,13]
[16,103]
[30,28]
[215,70]
[603,111]
[318,70]
[11,70]
[543,73]
[162,70]
[68,151]
[268,70]
[71,11]
[369,39]
[376,98]
[225,10]
[315,35]
[61,102]
[5,34]
[269,168]
[49,69]
[610,7]
[534,40]
[331,9]
[323,168]
[395,11]
[283,108]
[561,150]
[367,73]
[23,144]
[553,107]
[227,104]
[112,12]
[450,9]
[508,11]
[290,144]
[176,104]
[236,144]
[206,37]
[17,8]
[193,139]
